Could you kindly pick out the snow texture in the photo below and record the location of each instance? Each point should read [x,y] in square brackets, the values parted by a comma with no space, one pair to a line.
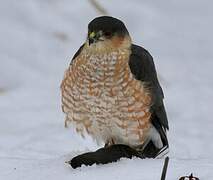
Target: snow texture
[38,40]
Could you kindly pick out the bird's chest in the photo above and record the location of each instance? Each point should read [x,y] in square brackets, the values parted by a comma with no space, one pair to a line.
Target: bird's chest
[102,79]
[105,98]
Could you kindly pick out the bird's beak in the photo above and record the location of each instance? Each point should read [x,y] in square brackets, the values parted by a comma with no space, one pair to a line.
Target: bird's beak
[92,37]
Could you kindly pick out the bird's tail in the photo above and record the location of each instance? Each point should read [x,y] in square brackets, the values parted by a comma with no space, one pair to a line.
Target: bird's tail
[157,144]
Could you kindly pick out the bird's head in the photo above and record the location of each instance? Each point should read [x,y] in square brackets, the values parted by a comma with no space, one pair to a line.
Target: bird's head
[107,33]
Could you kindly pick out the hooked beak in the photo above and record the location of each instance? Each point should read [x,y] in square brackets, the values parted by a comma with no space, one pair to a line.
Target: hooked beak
[91,40]
[94,37]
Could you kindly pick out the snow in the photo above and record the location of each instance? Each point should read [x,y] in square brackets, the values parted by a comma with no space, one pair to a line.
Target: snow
[38,39]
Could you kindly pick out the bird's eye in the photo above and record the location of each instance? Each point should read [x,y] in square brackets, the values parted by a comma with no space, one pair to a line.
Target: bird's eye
[107,34]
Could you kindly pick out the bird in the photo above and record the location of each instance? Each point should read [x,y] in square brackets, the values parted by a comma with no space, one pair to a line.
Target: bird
[111,91]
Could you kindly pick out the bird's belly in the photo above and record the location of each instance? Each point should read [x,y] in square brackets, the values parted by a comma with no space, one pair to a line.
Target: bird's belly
[106,101]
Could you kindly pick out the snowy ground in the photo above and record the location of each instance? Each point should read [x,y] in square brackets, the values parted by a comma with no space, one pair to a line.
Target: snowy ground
[37,40]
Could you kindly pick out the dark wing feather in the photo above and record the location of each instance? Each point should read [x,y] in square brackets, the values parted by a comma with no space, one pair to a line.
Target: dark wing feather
[142,66]
[77,53]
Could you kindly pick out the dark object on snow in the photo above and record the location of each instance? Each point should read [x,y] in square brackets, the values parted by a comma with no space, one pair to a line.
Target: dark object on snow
[113,153]
[191,177]
[166,162]
[104,155]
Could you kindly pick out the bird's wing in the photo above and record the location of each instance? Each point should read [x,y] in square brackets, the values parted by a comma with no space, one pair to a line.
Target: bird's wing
[77,53]
[142,67]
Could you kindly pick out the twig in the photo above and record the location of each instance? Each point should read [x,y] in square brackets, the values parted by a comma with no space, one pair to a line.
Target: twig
[2,91]
[166,162]
[98,7]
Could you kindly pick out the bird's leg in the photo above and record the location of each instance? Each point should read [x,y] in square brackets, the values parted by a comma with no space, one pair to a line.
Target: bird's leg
[109,142]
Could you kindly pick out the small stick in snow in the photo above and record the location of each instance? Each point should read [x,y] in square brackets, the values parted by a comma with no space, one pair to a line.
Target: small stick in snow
[166,162]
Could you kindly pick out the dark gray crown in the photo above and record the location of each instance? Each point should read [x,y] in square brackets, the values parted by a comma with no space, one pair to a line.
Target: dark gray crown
[108,24]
